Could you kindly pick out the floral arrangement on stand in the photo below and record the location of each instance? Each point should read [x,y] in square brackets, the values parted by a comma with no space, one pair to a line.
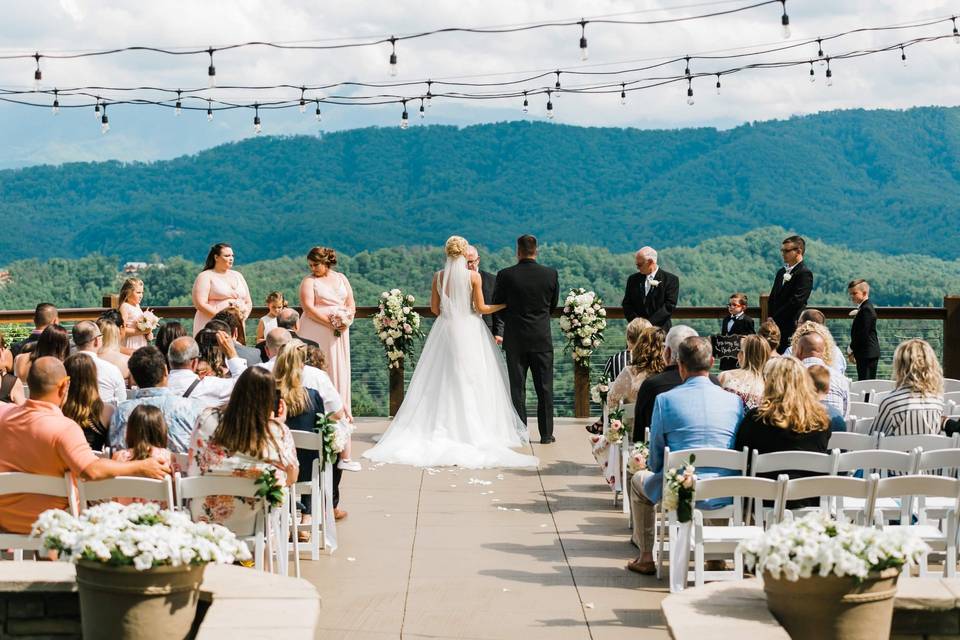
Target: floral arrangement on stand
[638,458]
[335,435]
[583,321]
[599,391]
[615,429]
[397,326]
[681,484]
[141,535]
[819,545]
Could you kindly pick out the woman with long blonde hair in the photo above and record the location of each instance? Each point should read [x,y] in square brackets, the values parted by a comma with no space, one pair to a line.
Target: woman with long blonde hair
[110,351]
[916,405]
[646,359]
[747,381]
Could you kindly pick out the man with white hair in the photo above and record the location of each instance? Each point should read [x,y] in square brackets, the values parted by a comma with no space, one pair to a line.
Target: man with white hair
[651,293]
[494,321]
[183,354]
[662,382]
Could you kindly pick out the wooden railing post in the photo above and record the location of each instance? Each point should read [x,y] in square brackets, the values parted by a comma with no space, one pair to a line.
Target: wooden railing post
[581,390]
[111,301]
[396,389]
[764,306]
[951,337]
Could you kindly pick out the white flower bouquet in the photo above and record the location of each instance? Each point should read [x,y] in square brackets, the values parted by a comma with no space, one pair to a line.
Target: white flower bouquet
[336,434]
[341,319]
[583,321]
[148,322]
[139,535]
[397,326]
[681,483]
[819,545]
[599,391]
[615,428]
[638,458]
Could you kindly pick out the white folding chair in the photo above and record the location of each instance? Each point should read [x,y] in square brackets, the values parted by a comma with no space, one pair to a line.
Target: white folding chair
[881,463]
[830,487]
[868,387]
[854,396]
[951,397]
[314,489]
[863,425]
[723,540]
[950,385]
[127,487]
[199,487]
[862,410]
[53,486]
[926,441]
[850,441]
[877,398]
[941,462]
[665,523]
[782,462]
[941,540]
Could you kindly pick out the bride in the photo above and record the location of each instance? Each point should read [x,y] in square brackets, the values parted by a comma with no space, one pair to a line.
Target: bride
[457,410]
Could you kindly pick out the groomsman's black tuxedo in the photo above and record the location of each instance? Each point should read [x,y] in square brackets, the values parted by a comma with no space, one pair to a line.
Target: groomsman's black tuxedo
[787,300]
[656,306]
[742,326]
[531,292]
[493,320]
[864,342]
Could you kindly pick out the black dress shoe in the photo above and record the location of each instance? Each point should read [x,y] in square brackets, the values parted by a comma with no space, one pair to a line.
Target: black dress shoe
[547,440]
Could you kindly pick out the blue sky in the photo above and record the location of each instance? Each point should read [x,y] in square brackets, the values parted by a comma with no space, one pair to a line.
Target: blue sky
[34,136]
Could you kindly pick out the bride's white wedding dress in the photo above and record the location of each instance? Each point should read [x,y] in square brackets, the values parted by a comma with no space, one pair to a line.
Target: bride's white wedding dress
[457,410]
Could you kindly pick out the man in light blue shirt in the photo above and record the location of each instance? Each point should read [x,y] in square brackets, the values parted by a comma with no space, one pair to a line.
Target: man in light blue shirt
[697,414]
[149,371]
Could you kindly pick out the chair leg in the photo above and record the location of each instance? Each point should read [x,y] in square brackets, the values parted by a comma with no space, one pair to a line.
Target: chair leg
[738,564]
[318,522]
[698,564]
[295,528]
[950,563]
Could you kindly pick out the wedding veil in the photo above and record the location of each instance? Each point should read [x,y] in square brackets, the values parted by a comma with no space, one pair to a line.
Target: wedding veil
[454,287]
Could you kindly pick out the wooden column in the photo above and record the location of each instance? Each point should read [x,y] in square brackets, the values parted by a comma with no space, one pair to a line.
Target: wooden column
[581,391]
[396,389]
[111,301]
[764,306]
[951,337]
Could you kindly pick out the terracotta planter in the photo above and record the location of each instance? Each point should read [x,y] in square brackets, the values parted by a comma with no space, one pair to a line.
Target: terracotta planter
[834,608]
[122,602]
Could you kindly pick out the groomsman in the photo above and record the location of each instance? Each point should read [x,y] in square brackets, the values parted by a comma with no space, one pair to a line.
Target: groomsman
[737,323]
[494,321]
[864,344]
[652,292]
[791,289]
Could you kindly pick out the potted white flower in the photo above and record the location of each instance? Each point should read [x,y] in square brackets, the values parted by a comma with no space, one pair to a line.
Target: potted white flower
[139,568]
[831,579]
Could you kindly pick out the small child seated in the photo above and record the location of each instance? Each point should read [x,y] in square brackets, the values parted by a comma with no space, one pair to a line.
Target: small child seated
[275,304]
[146,438]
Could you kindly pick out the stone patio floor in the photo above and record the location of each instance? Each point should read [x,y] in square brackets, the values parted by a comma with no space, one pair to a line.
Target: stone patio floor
[442,554]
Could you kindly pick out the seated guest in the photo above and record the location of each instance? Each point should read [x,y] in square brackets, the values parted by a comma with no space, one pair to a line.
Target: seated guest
[184,358]
[11,389]
[737,323]
[37,438]
[213,359]
[667,379]
[916,405]
[149,370]
[233,318]
[88,339]
[84,404]
[810,349]
[275,303]
[53,341]
[646,359]
[814,320]
[146,438]
[245,438]
[110,350]
[621,359]
[770,332]
[44,315]
[821,382]
[696,414]
[166,334]
[303,405]
[288,319]
[790,417]
[747,381]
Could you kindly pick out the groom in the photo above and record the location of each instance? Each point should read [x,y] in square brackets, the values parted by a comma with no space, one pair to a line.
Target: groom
[531,292]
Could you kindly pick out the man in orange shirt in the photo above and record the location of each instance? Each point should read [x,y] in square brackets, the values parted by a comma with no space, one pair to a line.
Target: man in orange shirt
[37,438]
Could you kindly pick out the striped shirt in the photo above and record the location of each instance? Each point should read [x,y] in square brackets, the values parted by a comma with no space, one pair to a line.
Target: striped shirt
[615,364]
[905,413]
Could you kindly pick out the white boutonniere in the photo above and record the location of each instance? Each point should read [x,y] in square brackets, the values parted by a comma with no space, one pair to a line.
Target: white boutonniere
[653,282]
[787,277]
[853,314]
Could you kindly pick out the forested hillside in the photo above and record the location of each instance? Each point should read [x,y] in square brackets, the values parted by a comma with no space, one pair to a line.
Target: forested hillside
[887,181]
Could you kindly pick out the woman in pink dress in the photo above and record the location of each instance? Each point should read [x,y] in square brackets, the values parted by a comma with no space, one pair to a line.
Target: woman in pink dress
[218,286]
[328,311]
[132,338]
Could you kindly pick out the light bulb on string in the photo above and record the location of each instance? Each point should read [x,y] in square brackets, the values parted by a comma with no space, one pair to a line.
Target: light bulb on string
[690,91]
[829,74]
[211,71]
[526,103]
[104,120]
[556,85]
[785,21]
[56,102]
[303,102]
[423,112]
[404,117]
[549,105]
[318,114]
[813,74]
[429,94]
[623,93]
[209,110]
[37,74]
[393,56]
[178,109]
[686,71]
[903,56]
[583,40]
[820,54]
[257,127]
[96,109]
[718,84]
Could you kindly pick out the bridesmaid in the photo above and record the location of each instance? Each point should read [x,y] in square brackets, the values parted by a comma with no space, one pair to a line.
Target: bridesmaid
[131,338]
[218,286]
[326,296]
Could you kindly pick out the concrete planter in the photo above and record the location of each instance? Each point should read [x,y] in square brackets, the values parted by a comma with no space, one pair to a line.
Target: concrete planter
[124,603]
[833,608]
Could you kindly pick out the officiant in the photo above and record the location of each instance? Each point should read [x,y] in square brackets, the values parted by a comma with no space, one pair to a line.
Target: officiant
[494,321]
[651,293]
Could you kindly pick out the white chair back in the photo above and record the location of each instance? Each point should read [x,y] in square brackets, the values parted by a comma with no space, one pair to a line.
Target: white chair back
[53,486]
[740,488]
[127,487]
[848,441]
[950,385]
[709,457]
[877,398]
[830,487]
[926,441]
[862,410]
[917,486]
[866,387]
[863,425]
[854,396]
[951,398]
[944,462]
[878,461]
[793,461]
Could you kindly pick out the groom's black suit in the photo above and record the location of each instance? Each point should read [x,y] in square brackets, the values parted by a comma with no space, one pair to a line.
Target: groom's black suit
[531,292]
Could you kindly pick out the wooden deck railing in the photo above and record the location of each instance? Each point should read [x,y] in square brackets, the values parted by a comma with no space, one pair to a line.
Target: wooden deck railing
[948,314]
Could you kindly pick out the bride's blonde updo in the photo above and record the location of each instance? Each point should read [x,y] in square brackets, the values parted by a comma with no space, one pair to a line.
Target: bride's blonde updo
[456,246]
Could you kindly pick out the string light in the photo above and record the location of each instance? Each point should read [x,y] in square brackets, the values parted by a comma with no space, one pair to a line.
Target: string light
[813,75]
[429,95]
[549,105]
[556,85]
[56,103]
[718,84]
[37,74]
[178,109]
[690,91]
[956,33]
[623,93]
[526,103]
[686,70]
[318,114]
[96,109]
[903,56]
[257,127]
[423,112]
[820,54]
[785,21]
[829,74]
[583,40]
[404,117]
[303,102]
[393,56]
[209,111]
[211,71]
[104,120]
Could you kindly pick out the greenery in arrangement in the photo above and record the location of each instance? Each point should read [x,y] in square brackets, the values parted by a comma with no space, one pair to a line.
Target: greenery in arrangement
[334,437]
[269,488]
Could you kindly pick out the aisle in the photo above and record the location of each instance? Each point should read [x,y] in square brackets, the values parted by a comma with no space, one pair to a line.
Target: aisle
[484,554]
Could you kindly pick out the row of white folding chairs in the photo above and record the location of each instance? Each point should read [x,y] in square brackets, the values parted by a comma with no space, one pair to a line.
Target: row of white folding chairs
[859,441]
[878,385]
